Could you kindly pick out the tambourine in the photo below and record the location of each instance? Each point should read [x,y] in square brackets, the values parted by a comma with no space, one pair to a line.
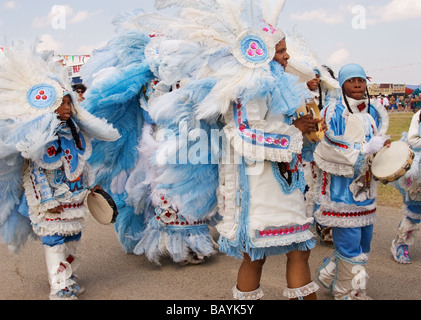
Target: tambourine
[313,109]
[392,163]
[102,207]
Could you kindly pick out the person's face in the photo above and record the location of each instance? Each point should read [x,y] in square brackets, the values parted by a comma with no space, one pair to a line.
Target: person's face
[65,110]
[281,55]
[314,83]
[355,88]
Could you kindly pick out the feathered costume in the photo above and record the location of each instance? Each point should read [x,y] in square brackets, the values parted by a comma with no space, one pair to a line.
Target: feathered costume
[42,166]
[237,86]
[211,100]
[409,186]
[165,206]
[174,87]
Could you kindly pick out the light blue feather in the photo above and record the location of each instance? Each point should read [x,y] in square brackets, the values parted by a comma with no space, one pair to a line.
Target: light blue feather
[116,98]
[15,229]
[194,185]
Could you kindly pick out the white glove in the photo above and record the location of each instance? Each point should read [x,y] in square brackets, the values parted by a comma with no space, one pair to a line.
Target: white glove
[375,144]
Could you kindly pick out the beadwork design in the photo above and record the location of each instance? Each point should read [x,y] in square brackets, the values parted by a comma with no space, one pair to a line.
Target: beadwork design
[254,49]
[166,215]
[348,214]
[337,144]
[256,136]
[41,96]
[277,232]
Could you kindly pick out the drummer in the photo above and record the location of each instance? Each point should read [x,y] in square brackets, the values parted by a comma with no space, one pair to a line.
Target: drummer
[55,196]
[409,186]
[345,193]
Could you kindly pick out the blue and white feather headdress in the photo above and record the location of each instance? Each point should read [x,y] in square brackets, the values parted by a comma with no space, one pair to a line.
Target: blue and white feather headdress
[32,88]
[235,39]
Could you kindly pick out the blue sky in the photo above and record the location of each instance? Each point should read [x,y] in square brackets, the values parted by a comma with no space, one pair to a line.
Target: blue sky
[381,35]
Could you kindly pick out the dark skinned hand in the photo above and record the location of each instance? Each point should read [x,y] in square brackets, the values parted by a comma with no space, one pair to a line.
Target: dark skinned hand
[59,209]
[308,124]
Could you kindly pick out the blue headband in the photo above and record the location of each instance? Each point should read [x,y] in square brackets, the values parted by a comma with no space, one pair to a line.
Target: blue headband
[350,71]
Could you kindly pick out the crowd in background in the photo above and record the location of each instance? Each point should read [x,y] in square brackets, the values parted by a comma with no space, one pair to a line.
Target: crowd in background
[401,103]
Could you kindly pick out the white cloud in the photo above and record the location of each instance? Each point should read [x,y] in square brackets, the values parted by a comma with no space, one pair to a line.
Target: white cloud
[320,16]
[71,17]
[339,57]
[11,5]
[396,10]
[83,15]
[47,43]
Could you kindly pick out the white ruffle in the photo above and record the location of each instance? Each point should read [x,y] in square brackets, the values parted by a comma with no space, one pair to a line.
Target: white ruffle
[345,222]
[301,292]
[338,169]
[253,295]
[228,207]
[281,241]
[72,220]
[65,228]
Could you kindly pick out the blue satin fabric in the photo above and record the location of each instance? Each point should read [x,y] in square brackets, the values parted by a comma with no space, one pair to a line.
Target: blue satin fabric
[340,193]
[351,242]
[58,240]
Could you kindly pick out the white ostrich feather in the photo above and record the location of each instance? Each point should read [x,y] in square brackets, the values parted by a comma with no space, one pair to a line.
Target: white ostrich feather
[275,12]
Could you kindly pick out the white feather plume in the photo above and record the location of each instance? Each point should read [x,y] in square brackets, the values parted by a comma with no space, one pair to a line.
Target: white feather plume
[275,12]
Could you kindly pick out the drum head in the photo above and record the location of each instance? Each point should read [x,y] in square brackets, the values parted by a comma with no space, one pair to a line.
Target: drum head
[391,161]
[313,109]
[102,207]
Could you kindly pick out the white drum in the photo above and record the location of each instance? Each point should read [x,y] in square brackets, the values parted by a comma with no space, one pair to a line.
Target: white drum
[102,207]
[392,163]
